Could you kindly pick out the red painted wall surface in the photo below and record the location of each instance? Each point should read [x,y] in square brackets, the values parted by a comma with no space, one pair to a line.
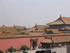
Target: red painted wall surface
[39,40]
[17,42]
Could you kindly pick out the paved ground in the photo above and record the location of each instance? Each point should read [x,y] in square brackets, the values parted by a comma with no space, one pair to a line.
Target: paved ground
[33,51]
[29,51]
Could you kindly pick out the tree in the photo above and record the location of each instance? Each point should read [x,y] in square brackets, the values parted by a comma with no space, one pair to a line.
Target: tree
[24,47]
[50,32]
[11,49]
[1,51]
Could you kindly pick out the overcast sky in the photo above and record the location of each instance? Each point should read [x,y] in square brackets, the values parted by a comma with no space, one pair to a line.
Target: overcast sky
[31,12]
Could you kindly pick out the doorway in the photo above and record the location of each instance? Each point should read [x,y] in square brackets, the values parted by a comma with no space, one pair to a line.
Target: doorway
[45,45]
[34,44]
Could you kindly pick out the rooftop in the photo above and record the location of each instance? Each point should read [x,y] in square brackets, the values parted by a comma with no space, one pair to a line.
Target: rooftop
[57,39]
[61,20]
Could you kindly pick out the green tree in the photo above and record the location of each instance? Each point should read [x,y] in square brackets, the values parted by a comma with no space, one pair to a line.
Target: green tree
[24,47]
[50,32]
[11,49]
[1,51]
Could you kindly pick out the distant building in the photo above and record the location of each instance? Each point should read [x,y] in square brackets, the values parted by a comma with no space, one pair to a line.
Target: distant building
[56,40]
[16,41]
[55,34]
[61,25]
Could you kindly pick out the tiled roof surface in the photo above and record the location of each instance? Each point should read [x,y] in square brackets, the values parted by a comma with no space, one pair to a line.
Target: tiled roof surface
[41,26]
[62,34]
[61,39]
[46,41]
[61,20]
[54,30]
[67,28]
[8,29]
[20,36]
[66,20]
[19,27]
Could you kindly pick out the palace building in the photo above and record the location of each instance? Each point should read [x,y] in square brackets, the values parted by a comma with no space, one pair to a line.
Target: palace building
[61,25]
[56,40]
[54,34]
[16,41]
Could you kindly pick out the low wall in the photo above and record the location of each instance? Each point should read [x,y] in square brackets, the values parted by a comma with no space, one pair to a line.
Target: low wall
[59,50]
[17,42]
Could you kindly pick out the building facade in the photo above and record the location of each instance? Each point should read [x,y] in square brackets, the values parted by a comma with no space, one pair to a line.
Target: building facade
[32,42]
[62,25]
[37,36]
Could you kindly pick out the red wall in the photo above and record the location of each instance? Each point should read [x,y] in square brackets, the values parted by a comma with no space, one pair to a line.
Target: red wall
[16,42]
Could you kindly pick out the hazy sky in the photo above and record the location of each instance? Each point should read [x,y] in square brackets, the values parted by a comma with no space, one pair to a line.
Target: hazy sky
[31,12]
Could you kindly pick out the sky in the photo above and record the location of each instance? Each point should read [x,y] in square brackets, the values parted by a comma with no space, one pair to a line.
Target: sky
[30,12]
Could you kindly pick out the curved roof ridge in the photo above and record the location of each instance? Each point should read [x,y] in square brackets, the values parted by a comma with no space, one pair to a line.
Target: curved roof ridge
[66,20]
[60,20]
[56,21]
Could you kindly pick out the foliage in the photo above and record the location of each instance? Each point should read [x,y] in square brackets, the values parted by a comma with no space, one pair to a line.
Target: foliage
[1,51]
[24,47]
[50,32]
[11,49]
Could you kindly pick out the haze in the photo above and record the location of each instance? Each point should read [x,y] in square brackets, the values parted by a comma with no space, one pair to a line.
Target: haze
[30,12]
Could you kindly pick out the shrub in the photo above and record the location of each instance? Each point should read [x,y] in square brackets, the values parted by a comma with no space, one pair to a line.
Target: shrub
[1,51]
[24,47]
[11,49]
[50,32]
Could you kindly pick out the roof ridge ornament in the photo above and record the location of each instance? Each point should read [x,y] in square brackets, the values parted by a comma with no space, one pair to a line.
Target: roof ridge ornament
[60,15]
